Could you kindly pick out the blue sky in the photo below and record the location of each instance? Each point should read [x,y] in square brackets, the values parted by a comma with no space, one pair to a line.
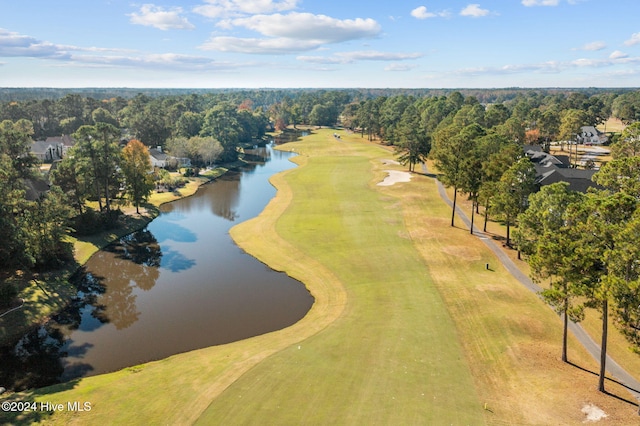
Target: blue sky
[320,43]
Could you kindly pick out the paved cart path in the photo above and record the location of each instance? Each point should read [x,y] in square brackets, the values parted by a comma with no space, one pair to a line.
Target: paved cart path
[613,368]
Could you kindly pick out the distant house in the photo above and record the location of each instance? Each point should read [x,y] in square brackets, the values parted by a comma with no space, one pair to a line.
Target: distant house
[67,142]
[589,135]
[158,158]
[47,151]
[551,169]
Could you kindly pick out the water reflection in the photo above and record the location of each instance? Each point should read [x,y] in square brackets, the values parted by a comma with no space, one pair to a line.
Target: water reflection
[170,229]
[176,261]
[179,285]
[37,358]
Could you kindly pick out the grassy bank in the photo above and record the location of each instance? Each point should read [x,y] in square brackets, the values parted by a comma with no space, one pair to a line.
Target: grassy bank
[408,326]
[47,293]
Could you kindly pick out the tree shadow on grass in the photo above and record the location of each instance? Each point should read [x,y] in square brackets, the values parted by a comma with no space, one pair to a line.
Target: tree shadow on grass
[34,412]
[612,380]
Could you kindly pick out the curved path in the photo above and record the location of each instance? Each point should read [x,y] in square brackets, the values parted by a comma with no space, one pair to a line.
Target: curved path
[627,380]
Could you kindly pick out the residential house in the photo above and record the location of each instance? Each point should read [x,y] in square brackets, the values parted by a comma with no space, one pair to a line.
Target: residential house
[589,135]
[47,151]
[67,142]
[158,158]
[551,169]
[162,160]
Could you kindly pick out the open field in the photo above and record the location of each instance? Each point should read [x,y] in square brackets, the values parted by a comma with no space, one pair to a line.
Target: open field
[612,125]
[408,325]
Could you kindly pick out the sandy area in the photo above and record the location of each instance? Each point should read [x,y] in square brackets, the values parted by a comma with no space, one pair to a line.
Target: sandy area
[395,176]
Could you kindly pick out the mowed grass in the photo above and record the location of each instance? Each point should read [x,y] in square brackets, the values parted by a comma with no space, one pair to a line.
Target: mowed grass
[393,355]
[407,327]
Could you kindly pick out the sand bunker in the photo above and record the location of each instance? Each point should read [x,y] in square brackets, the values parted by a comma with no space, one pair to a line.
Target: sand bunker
[395,176]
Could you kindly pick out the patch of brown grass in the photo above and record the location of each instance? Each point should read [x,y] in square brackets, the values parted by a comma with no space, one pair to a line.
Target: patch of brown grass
[511,338]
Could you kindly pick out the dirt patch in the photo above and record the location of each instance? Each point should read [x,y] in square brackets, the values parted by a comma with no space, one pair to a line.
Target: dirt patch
[593,413]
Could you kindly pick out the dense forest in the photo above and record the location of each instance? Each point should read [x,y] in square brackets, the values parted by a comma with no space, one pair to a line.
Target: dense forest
[586,248]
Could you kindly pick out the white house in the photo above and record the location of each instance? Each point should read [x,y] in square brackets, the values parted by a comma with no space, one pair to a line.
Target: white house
[589,135]
[158,158]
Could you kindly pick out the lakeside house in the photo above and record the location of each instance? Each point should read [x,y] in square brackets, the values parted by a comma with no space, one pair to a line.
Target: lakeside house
[551,169]
[162,160]
[158,158]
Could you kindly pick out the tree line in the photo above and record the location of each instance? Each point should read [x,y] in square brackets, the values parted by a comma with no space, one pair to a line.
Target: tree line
[476,147]
[584,244]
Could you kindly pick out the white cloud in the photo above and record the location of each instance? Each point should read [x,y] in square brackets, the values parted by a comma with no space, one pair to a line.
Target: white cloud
[635,39]
[595,46]
[157,17]
[400,67]
[618,55]
[530,3]
[421,13]
[363,55]
[550,66]
[164,61]
[474,11]
[591,63]
[234,8]
[326,60]
[307,26]
[261,46]
[17,45]
[292,33]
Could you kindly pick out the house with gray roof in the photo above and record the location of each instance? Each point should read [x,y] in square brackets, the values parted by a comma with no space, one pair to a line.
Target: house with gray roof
[47,151]
[158,158]
[67,142]
[551,169]
[589,135]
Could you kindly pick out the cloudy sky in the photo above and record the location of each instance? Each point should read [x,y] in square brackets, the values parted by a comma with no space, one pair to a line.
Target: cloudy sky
[320,43]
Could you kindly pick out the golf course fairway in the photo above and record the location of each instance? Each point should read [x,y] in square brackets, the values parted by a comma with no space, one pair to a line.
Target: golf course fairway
[408,326]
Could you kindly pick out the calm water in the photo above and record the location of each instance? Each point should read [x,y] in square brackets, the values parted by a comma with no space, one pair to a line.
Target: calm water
[178,285]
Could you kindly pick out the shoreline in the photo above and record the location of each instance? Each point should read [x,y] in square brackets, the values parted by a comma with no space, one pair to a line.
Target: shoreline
[354,373]
[59,290]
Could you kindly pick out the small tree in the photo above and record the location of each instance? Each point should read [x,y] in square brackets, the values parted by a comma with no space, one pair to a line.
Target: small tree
[136,166]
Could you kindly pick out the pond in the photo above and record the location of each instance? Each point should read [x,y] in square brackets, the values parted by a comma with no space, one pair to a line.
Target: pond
[178,285]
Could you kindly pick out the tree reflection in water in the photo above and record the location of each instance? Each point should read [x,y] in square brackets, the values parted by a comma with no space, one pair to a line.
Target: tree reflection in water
[38,358]
[132,263]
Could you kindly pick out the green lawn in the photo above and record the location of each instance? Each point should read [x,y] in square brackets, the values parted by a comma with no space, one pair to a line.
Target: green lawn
[407,327]
[393,356]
